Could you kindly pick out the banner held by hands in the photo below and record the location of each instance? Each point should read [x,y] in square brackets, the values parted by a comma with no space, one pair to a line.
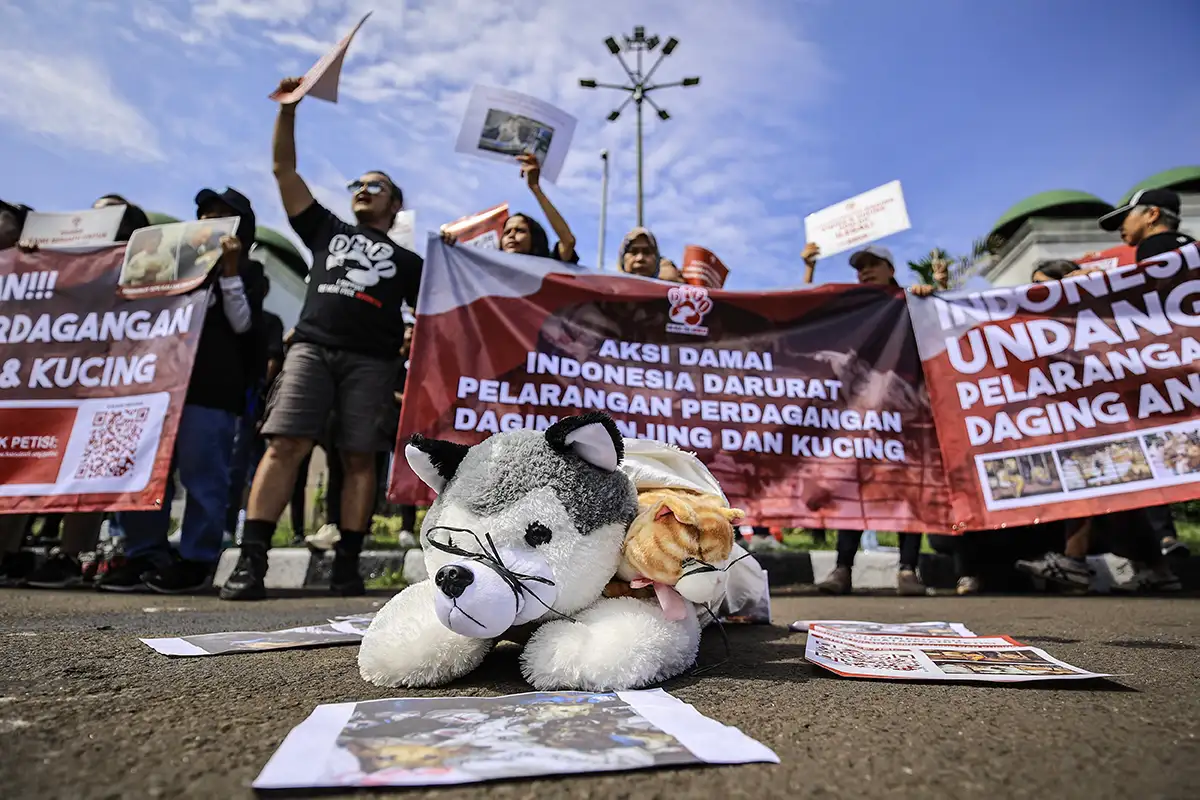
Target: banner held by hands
[321,81]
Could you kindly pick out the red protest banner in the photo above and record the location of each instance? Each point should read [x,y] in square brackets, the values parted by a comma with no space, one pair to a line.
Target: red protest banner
[91,385]
[1067,399]
[808,407]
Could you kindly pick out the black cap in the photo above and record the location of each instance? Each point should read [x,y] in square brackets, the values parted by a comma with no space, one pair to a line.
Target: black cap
[1162,198]
[230,197]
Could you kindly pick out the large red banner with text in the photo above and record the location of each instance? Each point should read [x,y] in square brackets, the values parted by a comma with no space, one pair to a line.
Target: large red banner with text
[91,385]
[808,406]
[1071,398]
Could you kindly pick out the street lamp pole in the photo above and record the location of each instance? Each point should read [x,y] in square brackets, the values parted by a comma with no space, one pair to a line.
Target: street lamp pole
[603,208]
[639,88]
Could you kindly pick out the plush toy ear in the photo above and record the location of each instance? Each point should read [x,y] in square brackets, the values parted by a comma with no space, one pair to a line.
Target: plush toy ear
[593,437]
[435,461]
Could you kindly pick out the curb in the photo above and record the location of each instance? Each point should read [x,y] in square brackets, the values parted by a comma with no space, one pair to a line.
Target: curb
[298,568]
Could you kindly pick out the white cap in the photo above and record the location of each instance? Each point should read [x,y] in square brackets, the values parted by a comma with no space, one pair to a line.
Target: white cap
[872,250]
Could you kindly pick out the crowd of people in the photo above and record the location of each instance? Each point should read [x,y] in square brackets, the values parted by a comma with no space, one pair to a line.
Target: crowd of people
[260,400]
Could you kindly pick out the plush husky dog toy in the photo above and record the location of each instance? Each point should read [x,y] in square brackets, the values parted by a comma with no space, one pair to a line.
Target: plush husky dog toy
[524,535]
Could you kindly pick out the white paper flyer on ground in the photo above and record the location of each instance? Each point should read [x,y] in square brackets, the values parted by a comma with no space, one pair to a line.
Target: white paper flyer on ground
[404,230]
[448,740]
[863,218]
[91,228]
[500,125]
[952,629]
[344,630]
[321,81]
[990,659]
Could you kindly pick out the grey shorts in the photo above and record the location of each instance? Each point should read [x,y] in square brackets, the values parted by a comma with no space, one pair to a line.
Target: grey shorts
[318,381]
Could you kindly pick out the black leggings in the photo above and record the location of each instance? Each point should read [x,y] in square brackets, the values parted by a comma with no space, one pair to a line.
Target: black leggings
[847,547]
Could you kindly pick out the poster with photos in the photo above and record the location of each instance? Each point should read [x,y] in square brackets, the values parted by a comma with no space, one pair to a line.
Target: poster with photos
[986,659]
[433,741]
[174,258]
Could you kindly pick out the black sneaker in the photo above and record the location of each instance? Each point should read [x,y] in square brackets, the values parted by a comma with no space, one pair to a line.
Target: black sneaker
[127,576]
[58,571]
[346,580]
[181,577]
[16,567]
[246,580]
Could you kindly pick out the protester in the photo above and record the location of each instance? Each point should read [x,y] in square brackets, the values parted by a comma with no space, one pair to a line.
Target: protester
[1070,568]
[523,234]
[1150,222]
[249,445]
[875,267]
[667,271]
[12,220]
[343,359]
[226,359]
[639,254]
[81,532]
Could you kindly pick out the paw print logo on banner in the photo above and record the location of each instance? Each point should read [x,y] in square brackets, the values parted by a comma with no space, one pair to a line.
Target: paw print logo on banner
[689,305]
[364,260]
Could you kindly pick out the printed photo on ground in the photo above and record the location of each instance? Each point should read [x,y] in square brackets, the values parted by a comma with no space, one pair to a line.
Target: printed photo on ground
[1174,453]
[447,740]
[513,134]
[1106,464]
[1012,477]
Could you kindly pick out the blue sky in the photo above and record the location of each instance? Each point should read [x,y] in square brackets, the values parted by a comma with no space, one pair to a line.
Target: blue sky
[972,105]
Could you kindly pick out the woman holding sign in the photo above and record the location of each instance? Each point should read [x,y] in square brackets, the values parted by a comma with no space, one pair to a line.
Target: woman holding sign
[523,234]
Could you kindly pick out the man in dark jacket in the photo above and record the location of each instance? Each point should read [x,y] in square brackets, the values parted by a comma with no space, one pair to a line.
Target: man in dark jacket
[227,359]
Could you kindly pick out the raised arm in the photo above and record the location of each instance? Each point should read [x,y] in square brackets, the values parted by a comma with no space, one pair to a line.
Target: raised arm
[292,188]
[810,254]
[532,171]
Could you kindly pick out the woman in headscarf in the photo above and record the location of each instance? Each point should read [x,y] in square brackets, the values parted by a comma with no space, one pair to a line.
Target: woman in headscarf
[639,254]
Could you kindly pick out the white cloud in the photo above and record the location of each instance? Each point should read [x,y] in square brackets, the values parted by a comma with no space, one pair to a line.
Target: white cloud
[72,100]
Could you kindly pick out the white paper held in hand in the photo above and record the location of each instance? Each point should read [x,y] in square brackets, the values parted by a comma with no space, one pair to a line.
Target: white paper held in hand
[863,218]
[321,81]
[500,125]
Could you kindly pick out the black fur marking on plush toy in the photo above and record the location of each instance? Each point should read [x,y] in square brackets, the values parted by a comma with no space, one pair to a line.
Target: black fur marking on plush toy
[501,471]
[556,434]
[444,456]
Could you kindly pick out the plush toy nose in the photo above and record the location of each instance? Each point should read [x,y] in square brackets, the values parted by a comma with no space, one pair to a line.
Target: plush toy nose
[453,580]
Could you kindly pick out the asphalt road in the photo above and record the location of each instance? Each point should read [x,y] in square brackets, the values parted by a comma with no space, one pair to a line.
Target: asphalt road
[88,711]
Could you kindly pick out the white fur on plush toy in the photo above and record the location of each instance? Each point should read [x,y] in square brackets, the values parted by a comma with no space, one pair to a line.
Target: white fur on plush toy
[555,496]
[475,600]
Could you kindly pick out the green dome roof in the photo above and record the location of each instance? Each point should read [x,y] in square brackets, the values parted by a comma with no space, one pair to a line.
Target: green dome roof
[282,247]
[1181,179]
[1057,203]
[159,218]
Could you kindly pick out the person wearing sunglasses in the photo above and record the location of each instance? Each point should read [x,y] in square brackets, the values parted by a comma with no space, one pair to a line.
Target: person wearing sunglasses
[343,359]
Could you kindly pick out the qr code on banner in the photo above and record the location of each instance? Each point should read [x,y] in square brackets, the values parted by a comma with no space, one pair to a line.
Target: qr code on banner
[112,443]
[868,659]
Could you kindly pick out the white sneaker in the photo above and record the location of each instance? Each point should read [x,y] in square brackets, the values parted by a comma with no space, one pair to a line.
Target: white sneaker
[325,538]
[407,540]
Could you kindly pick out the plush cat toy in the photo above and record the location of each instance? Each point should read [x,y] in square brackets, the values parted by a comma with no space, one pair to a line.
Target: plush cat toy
[524,535]
[680,548]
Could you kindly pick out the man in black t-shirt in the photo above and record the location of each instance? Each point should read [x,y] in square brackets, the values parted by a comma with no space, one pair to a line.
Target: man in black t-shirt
[1150,222]
[343,360]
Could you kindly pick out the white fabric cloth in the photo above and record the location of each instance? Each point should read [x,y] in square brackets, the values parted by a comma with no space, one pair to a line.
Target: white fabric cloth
[655,465]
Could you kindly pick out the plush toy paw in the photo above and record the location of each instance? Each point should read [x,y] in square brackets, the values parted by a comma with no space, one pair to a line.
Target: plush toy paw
[406,645]
[617,644]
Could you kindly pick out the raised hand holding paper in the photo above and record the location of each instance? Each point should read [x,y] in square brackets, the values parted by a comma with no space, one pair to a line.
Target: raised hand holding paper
[861,219]
[500,125]
[321,81]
